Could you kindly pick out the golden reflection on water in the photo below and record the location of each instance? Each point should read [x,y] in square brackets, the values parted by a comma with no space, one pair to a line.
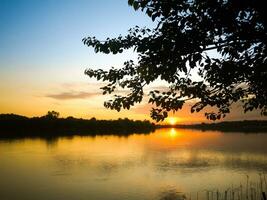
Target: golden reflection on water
[135,167]
[173,133]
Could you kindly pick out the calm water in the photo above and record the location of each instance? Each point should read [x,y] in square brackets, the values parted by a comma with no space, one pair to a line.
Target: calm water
[160,165]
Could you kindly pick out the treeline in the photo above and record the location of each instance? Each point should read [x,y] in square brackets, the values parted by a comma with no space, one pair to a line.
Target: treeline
[12,125]
[247,126]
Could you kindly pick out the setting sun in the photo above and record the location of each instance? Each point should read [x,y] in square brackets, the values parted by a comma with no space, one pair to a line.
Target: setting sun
[172,120]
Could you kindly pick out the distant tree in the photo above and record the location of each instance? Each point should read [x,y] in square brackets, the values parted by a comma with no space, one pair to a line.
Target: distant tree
[52,115]
[93,119]
[187,32]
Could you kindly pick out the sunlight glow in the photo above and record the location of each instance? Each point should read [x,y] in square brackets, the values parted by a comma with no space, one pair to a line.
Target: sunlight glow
[172,120]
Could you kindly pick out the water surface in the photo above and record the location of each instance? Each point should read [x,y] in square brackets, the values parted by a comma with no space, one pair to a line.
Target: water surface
[160,165]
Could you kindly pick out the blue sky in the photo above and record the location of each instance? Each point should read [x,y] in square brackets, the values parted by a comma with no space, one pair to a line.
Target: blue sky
[36,31]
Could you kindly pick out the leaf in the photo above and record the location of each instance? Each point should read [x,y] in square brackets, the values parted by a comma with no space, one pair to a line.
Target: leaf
[135,5]
[149,12]
[155,15]
[130,2]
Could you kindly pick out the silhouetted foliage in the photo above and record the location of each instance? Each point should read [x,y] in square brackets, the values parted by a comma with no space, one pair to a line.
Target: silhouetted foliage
[52,115]
[12,125]
[187,34]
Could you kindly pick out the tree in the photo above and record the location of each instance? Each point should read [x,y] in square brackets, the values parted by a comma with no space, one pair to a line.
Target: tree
[187,32]
[52,115]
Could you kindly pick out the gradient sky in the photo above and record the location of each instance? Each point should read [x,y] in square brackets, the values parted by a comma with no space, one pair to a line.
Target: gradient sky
[42,58]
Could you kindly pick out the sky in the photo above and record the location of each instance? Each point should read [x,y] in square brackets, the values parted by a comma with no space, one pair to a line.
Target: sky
[42,58]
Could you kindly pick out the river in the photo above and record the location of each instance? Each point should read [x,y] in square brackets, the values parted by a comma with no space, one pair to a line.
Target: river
[166,164]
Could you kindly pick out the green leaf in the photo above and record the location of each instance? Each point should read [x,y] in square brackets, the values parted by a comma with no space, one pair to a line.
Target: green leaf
[130,2]
[135,5]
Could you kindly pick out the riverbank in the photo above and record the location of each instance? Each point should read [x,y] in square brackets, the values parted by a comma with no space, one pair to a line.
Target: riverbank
[246,126]
[12,125]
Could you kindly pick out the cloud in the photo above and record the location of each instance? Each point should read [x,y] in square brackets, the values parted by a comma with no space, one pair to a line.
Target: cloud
[73,95]
[76,85]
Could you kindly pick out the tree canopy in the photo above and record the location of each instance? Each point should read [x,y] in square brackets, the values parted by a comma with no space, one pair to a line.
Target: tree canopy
[187,34]
[52,115]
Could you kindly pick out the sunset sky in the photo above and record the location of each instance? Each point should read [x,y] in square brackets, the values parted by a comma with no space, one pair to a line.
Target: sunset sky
[42,58]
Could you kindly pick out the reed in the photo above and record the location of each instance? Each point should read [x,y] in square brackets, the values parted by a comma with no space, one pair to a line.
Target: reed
[250,191]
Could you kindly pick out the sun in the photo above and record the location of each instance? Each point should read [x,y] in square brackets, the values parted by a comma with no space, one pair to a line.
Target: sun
[172,120]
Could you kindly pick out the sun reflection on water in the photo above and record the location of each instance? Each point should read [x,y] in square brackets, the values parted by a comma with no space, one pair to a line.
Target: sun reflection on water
[173,133]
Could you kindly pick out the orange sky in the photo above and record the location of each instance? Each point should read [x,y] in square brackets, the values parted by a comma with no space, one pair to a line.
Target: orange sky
[84,99]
